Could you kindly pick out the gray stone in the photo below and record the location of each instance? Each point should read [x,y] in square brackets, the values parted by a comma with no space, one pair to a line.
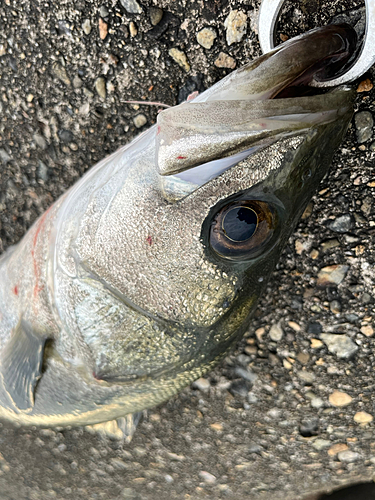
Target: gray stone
[276,332]
[235,25]
[332,275]
[320,444]
[328,244]
[103,11]
[139,120]
[61,73]
[275,413]
[202,384]
[363,123]
[100,87]
[156,15]
[40,141]
[206,37]
[341,224]
[335,306]
[180,58]
[128,494]
[4,157]
[207,477]
[42,171]
[251,397]
[307,377]
[309,428]
[341,345]
[245,374]
[348,456]
[77,82]
[132,6]
[317,403]
[86,26]
[239,388]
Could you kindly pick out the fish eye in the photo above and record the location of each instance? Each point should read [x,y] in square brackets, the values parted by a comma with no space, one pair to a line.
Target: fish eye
[241,230]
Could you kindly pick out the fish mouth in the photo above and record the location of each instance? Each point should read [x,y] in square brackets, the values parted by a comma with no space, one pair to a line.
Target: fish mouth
[253,107]
[287,71]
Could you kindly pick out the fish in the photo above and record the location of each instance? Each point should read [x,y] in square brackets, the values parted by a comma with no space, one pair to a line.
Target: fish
[144,274]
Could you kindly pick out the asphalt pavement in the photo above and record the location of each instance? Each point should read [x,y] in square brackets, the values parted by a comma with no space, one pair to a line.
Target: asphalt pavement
[290,412]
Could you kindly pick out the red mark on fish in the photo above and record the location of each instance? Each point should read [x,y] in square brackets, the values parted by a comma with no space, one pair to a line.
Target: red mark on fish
[149,240]
[181,157]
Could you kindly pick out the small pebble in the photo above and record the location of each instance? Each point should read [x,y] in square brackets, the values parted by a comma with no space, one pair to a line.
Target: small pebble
[206,37]
[202,384]
[363,417]
[207,477]
[335,306]
[103,11]
[367,329]
[320,444]
[301,246]
[77,82]
[303,357]
[348,456]
[363,123]
[225,61]
[132,6]
[100,87]
[309,428]
[61,73]
[276,332]
[337,448]
[103,29]
[317,403]
[119,464]
[251,397]
[341,224]
[308,211]
[316,343]
[314,327]
[133,29]
[239,388]
[40,141]
[235,25]
[328,244]
[332,275]
[42,171]
[340,399]
[86,26]
[365,85]
[307,377]
[341,345]
[156,15]
[128,494]
[245,374]
[139,120]
[180,58]
[295,326]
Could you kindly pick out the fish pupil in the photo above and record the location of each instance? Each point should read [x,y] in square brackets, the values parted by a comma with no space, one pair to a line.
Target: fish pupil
[240,223]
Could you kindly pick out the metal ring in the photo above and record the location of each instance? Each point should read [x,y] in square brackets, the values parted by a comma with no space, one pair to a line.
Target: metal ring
[268,16]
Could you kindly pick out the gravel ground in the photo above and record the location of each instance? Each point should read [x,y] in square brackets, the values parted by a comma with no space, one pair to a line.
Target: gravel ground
[290,412]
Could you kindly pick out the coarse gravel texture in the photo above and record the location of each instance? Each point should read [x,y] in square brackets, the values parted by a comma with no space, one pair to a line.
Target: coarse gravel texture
[267,423]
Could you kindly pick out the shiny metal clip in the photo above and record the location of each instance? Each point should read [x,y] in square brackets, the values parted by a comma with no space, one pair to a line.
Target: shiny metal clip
[268,16]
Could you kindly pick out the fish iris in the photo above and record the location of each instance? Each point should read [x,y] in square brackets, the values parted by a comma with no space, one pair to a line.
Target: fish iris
[240,223]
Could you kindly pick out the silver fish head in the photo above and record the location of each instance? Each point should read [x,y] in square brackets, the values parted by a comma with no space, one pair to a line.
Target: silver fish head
[157,257]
